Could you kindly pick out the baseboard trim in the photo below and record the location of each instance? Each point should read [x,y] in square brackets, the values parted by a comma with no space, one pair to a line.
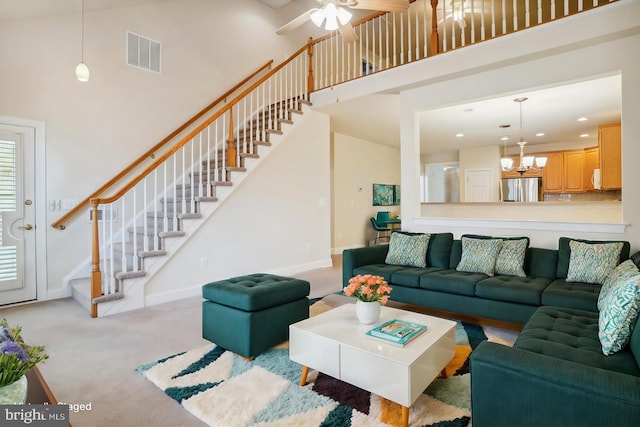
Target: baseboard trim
[179,294]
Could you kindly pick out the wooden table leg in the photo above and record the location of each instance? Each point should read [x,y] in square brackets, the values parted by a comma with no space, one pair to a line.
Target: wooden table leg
[404,421]
[303,375]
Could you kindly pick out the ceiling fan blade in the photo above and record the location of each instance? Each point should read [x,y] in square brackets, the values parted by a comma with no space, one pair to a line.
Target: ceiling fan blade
[348,33]
[383,5]
[296,22]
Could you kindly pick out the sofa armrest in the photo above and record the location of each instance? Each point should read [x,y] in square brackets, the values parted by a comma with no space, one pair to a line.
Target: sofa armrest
[511,386]
[354,258]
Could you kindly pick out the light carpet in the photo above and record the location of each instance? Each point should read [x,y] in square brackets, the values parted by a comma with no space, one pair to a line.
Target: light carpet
[223,389]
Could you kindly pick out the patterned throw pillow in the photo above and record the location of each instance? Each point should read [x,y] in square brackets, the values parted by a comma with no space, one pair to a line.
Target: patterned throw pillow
[409,250]
[510,260]
[479,255]
[621,273]
[618,314]
[592,263]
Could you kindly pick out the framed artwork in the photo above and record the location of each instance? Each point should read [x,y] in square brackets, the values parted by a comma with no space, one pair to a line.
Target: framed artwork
[386,194]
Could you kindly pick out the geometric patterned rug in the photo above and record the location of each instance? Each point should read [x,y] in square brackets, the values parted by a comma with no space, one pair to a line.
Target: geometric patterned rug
[223,389]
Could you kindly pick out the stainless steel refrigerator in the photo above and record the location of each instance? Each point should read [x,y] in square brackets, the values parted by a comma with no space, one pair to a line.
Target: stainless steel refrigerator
[522,190]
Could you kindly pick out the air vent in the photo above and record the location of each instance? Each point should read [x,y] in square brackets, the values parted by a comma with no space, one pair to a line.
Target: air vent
[143,52]
[105,214]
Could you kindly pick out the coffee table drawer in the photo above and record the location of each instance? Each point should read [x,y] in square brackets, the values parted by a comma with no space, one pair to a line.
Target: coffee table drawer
[396,381]
[309,349]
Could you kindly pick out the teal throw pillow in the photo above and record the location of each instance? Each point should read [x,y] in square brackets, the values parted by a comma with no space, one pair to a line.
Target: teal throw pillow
[619,275]
[408,250]
[592,263]
[619,314]
[510,259]
[479,255]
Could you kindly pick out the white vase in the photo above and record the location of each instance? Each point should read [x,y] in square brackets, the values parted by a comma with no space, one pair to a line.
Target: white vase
[14,393]
[367,312]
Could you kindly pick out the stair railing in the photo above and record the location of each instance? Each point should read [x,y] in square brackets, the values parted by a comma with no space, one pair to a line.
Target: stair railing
[429,27]
[133,225]
[153,151]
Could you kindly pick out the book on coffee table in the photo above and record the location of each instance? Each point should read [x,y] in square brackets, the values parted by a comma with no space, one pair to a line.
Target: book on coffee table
[397,331]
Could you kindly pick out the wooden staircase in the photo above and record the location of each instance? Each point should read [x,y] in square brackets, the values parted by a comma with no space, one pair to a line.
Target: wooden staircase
[165,226]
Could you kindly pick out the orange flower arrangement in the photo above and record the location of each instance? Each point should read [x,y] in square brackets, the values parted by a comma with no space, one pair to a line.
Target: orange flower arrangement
[368,288]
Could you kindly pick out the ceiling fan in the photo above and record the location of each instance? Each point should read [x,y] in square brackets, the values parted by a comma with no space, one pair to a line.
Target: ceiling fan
[335,16]
[459,10]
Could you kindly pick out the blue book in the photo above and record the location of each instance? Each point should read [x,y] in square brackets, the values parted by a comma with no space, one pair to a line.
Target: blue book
[397,331]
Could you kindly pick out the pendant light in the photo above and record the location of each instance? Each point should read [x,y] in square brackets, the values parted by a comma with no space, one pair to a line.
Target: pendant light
[526,162]
[82,71]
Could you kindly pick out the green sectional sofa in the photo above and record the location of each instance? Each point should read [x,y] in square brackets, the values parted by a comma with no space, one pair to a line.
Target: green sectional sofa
[556,373]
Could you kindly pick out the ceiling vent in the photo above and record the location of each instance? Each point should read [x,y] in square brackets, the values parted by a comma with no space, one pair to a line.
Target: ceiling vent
[143,52]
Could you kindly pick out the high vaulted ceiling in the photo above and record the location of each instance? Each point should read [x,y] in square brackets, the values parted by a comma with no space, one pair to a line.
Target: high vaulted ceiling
[376,117]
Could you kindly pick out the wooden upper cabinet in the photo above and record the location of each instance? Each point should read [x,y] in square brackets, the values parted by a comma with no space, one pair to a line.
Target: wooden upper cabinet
[590,164]
[610,143]
[573,170]
[552,173]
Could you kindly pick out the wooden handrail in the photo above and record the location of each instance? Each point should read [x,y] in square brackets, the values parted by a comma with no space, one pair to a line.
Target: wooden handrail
[60,223]
[196,131]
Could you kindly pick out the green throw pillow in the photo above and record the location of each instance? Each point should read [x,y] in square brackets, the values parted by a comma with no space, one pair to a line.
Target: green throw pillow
[408,250]
[619,274]
[479,255]
[510,260]
[592,263]
[619,314]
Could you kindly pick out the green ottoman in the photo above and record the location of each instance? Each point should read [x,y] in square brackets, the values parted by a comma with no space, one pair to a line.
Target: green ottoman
[250,314]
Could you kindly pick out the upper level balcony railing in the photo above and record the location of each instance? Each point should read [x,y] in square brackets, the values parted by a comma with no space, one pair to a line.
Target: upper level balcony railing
[426,29]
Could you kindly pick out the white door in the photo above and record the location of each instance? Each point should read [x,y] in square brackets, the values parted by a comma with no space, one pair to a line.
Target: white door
[478,185]
[17,215]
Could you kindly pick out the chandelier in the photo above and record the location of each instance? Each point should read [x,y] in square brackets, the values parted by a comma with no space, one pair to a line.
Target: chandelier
[526,162]
[331,14]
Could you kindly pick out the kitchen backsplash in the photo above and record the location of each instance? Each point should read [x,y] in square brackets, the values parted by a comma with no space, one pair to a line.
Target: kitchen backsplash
[592,196]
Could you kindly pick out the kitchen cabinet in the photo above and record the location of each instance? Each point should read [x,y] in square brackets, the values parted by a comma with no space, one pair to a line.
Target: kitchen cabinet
[591,163]
[573,171]
[552,174]
[610,143]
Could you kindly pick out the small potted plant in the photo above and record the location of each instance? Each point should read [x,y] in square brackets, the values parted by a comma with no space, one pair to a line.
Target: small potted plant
[16,358]
[370,292]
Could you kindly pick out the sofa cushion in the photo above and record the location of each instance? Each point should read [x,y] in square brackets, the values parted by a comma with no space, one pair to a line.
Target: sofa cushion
[571,335]
[439,250]
[618,276]
[582,296]
[479,255]
[408,250]
[564,253]
[510,259]
[410,277]
[452,281]
[523,290]
[618,314]
[592,263]
[383,270]
[541,262]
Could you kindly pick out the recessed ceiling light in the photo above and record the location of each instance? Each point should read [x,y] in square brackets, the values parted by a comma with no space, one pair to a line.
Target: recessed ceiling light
[468,110]
[504,138]
[540,134]
[459,135]
[584,135]
[582,119]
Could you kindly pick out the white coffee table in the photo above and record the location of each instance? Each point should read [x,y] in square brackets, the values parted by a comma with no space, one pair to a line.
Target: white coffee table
[335,343]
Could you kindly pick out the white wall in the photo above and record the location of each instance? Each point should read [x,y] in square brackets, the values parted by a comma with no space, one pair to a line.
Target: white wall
[357,165]
[94,129]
